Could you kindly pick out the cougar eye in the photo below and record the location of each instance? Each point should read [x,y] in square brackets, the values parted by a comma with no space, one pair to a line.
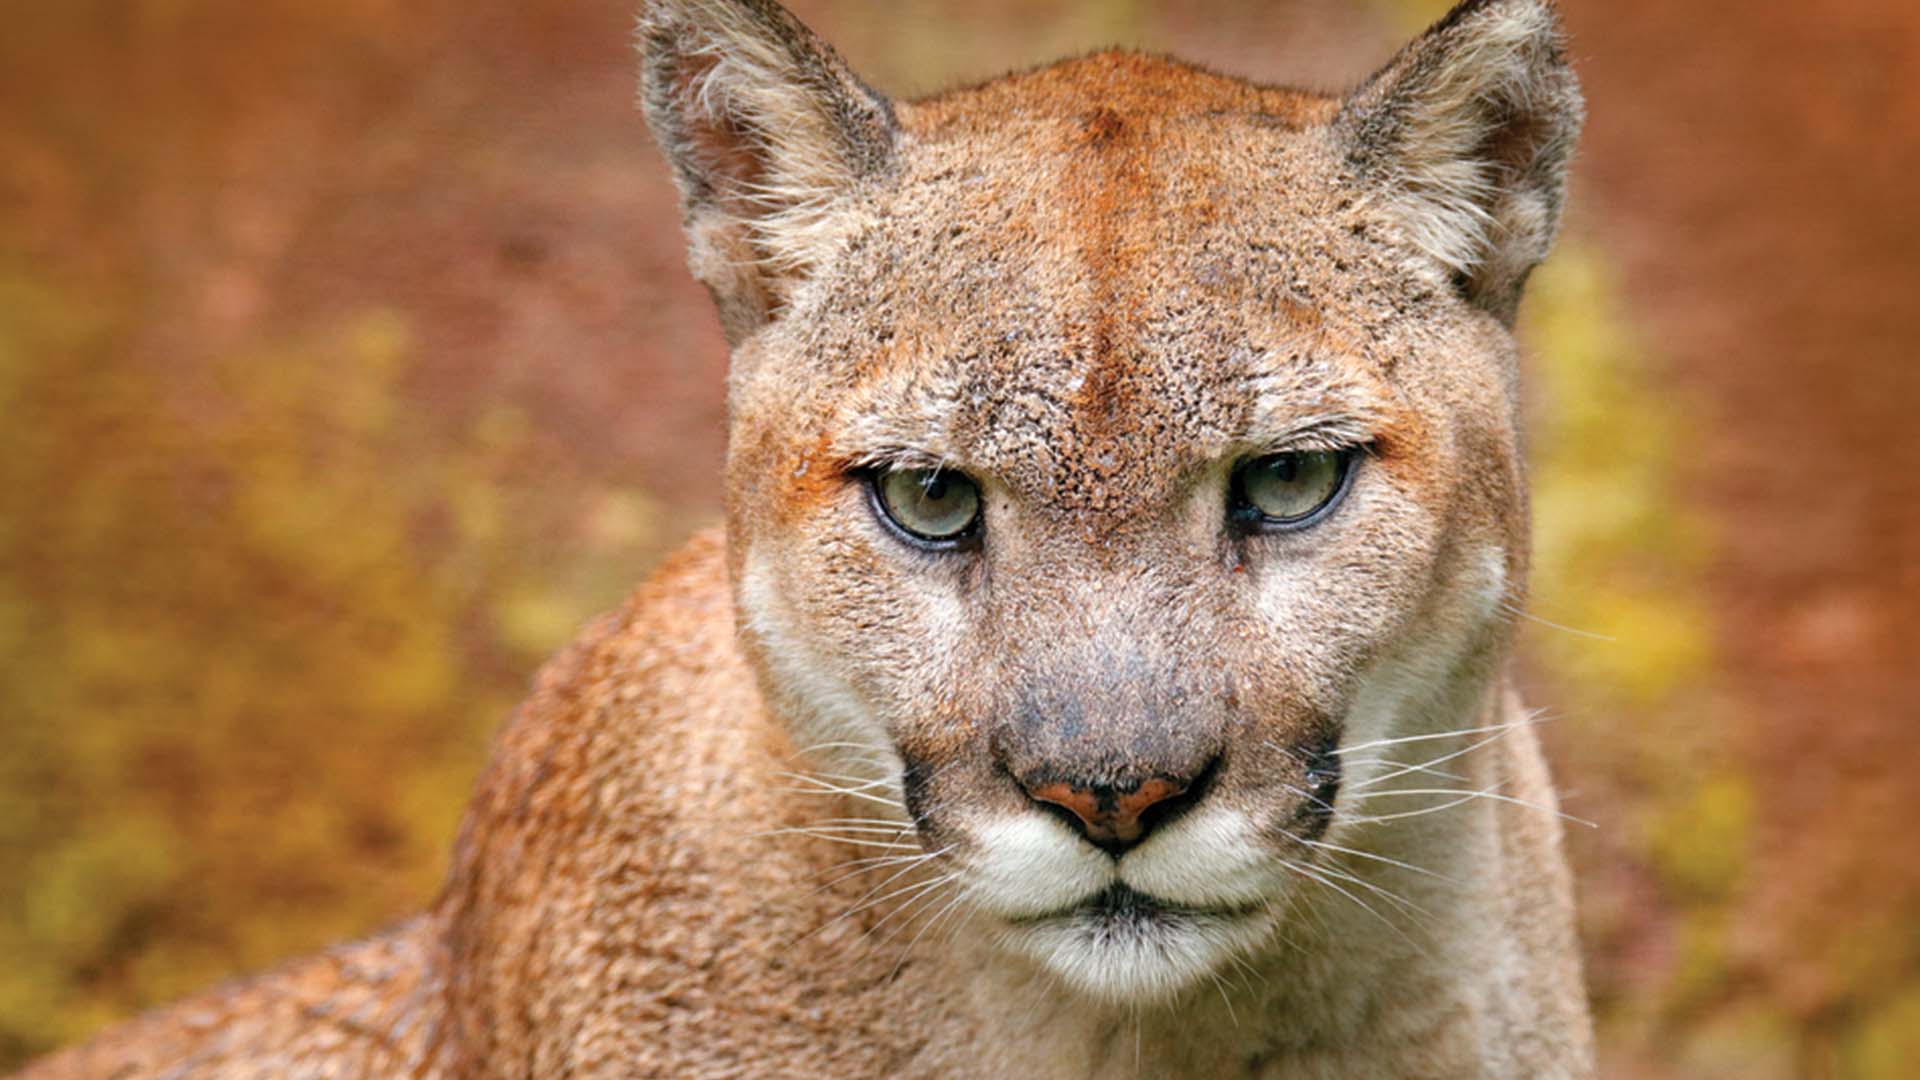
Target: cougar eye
[1290,490]
[932,507]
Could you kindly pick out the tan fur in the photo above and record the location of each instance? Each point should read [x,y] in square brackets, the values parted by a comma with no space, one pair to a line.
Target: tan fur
[1093,288]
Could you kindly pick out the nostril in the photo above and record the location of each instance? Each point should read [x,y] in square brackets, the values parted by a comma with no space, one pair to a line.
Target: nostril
[1113,817]
[1106,815]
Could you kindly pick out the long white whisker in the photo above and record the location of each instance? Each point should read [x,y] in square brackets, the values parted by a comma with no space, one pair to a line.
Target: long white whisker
[871,861]
[1312,798]
[856,841]
[1402,769]
[953,902]
[1251,971]
[1379,859]
[1464,796]
[880,799]
[842,781]
[1220,985]
[1388,895]
[911,890]
[877,751]
[1427,766]
[1534,718]
[852,824]
[1313,874]
[876,863]
[888,880]
[916,894]
[1519,612]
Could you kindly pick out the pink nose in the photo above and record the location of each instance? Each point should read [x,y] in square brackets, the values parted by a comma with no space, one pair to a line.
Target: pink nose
[1110,818]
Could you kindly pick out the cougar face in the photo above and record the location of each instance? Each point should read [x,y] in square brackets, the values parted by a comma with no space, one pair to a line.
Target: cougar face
[1118,450]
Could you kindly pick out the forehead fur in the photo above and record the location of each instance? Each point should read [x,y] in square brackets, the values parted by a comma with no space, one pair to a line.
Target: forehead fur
[1089,279]
[1128,84]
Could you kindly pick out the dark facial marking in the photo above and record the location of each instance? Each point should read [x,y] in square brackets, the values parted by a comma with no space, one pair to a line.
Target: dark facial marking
[916,780]
[1322,760]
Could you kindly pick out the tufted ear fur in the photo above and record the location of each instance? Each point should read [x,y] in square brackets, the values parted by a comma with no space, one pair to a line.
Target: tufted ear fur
[767,131]
[1468,133]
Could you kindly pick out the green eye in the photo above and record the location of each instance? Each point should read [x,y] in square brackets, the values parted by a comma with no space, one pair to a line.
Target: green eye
[933,507]
[1288,491]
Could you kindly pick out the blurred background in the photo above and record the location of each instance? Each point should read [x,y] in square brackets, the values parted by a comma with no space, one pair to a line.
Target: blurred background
[348,363]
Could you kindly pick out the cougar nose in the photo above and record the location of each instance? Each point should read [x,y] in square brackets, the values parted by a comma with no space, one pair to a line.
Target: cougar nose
[1114,818]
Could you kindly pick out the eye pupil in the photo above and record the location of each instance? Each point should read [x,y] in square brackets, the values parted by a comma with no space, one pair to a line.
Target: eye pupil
[931,507]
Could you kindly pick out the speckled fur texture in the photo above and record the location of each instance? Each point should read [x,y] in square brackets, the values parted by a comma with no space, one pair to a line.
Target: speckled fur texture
[767,820]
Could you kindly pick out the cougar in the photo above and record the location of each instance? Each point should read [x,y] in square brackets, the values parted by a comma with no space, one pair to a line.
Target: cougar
[1103,668]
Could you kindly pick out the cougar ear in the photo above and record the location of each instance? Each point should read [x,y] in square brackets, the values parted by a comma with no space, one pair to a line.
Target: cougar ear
[767,131]
[1467,133]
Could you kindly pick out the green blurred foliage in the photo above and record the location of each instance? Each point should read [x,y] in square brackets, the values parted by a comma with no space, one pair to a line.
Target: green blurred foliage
[1615,546]
[1886,1043]
[1620,634]
[1621,639]
[188,794]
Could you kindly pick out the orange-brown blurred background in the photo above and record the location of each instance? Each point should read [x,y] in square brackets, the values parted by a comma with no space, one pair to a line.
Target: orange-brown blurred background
[347,363]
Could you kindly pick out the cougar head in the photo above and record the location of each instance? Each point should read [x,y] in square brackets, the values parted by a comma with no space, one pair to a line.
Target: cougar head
[1117,447]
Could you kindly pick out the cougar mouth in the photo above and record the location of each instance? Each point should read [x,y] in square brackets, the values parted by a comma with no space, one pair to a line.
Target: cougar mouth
[1120,906]
[1126,903]
[1125,945]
